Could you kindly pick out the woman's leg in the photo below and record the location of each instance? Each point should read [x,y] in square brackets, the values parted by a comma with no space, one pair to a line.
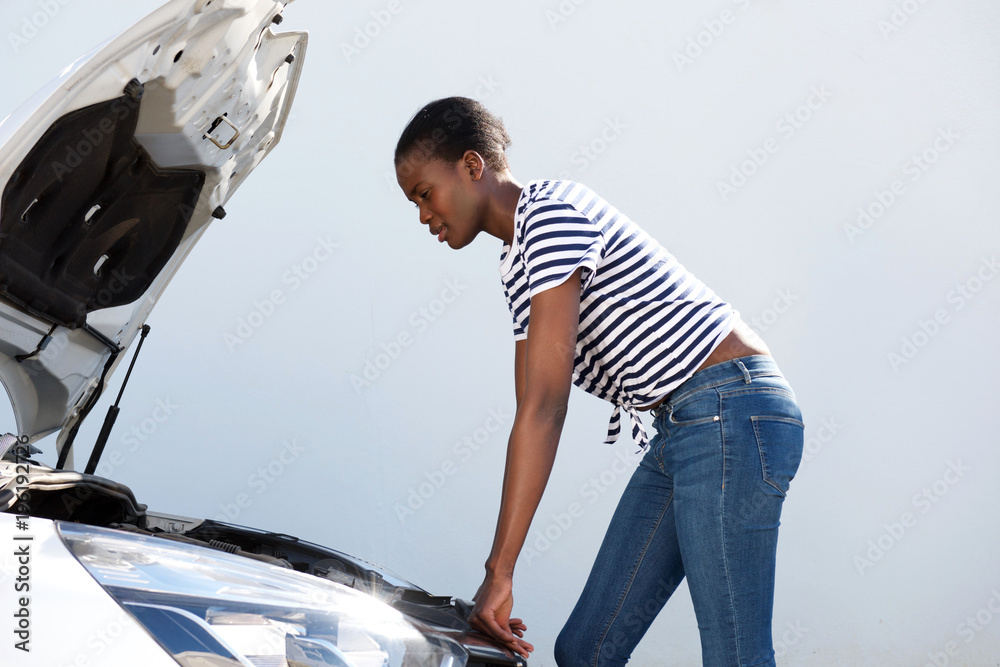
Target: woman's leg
[705,503]
[637,568]
[734,449]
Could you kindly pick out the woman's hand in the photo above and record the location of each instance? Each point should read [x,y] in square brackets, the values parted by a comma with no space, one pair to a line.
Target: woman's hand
[491,615]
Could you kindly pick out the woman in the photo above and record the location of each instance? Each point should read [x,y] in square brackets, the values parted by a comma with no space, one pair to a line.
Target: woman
[613,312]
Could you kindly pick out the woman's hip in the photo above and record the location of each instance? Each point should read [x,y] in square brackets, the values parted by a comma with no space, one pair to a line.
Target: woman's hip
[731,419]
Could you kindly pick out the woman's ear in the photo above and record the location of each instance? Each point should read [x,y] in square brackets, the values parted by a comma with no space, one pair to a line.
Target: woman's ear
[473,164]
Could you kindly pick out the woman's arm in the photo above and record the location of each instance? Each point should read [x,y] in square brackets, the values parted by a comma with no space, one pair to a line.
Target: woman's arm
[519,355]
[548,357]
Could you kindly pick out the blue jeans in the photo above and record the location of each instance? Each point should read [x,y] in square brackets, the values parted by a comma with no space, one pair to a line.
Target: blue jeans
[705,503]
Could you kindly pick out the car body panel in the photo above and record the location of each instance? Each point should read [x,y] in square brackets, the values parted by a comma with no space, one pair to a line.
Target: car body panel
[58,588]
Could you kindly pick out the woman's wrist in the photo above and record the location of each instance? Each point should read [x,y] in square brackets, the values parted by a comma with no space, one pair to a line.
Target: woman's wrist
[500,569]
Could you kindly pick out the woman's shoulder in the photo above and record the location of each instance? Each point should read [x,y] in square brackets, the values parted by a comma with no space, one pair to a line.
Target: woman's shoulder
[553,187]
[545,190]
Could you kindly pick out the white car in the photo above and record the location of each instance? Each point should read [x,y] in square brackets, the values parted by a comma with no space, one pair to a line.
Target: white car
[109,177]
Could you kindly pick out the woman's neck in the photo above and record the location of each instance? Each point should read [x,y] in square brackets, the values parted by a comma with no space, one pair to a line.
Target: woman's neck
[505,191]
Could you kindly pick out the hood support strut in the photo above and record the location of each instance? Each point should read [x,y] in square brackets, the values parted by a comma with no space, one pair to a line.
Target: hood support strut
[109,420]
[84,411]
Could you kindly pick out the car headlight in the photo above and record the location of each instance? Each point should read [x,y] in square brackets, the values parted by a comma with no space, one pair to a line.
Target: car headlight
[210,608]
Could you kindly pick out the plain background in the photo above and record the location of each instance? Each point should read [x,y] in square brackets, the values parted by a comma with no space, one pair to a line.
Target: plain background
[889,547]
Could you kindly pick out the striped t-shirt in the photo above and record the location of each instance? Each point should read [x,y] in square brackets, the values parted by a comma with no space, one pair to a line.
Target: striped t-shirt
[646,323]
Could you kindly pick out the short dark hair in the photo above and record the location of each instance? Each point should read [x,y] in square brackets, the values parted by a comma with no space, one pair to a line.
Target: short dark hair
[444,129]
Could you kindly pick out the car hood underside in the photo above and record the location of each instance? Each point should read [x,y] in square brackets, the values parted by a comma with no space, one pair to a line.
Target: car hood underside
[111,175]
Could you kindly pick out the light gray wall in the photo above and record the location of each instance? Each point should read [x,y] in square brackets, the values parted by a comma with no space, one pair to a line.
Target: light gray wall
[889,546]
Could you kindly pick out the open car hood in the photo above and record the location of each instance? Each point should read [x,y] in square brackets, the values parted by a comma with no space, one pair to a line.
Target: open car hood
[111,175]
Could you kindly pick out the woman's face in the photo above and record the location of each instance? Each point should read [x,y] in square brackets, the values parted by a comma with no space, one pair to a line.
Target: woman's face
[446,196]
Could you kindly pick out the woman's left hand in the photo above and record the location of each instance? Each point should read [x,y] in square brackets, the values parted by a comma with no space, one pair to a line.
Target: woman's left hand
[491,614]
